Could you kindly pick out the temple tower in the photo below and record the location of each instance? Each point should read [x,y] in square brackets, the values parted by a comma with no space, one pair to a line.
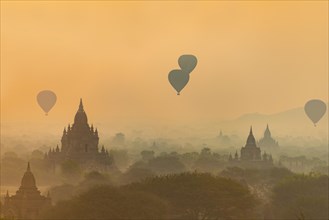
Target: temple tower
[267,142]
[79,143]
[27,202]
[250,151]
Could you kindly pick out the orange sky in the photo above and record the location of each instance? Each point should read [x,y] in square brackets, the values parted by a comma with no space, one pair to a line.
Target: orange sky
[252,57]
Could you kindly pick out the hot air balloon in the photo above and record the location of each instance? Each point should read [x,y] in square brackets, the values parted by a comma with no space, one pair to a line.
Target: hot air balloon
[178,79]
[315,110]
[187,62]
[46,100]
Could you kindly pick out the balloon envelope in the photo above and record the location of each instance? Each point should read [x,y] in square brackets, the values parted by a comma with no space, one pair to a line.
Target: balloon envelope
[315,109]
[187,62]
[178,79]
[46,100]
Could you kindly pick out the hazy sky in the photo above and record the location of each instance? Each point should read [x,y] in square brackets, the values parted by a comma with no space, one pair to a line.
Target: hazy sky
[262,56]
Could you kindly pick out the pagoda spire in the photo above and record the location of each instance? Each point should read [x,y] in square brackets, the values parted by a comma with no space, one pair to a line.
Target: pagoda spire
[80,117]
[267,133]
[28,180]
[28,167]
[80,106]
[251,142]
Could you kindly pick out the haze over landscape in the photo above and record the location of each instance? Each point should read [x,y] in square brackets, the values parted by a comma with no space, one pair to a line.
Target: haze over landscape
[116,56]
[237,134]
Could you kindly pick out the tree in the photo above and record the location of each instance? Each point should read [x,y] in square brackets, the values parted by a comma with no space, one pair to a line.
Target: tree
[324,170]
[71,170]
[200,196]
[188,159]
[106,202]
[67,191]
[165,165]
[208,161]
[257,176]
[120,157]
[301,197]
[62,192]
[136,174]
[92,179]
[205,152]
[147,155]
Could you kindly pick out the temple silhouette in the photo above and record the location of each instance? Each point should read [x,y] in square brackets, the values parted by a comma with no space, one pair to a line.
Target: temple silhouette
[250,151]
[267,142]
[27,203]
[79,143]
[250,154]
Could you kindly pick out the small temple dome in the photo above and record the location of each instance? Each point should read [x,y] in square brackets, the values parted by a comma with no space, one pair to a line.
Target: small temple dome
[267,132]
[28,180]
[251,139]
[80,116]
[27,202]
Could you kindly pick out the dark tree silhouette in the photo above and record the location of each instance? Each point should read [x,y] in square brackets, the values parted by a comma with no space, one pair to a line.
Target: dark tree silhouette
[301,197]
[201,196]
[108,203]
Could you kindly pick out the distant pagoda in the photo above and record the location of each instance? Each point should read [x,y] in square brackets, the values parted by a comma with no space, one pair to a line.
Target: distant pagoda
[250,154]
[79,143]
[250,151]
[267,142]
[27,202]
